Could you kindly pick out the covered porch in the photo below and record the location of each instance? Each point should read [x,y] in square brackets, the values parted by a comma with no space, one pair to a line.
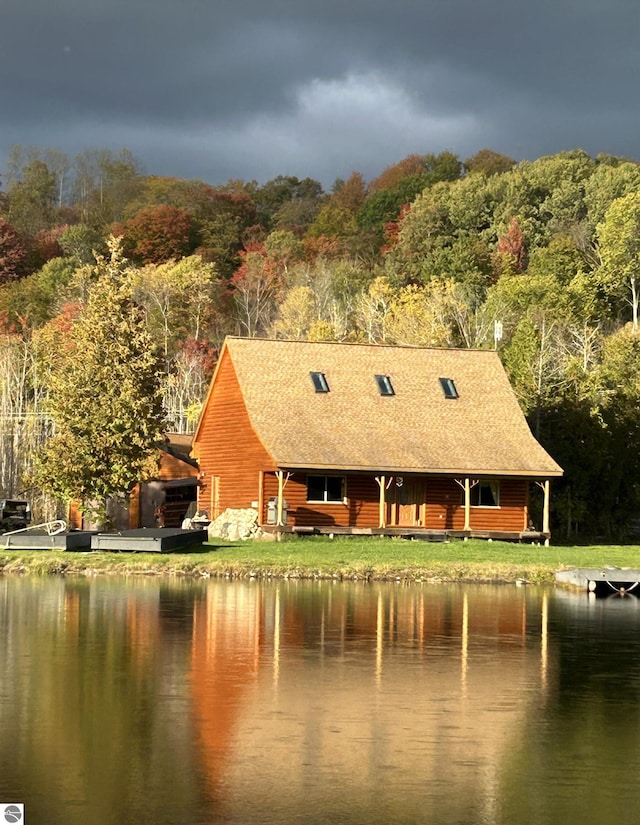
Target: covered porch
[420,506]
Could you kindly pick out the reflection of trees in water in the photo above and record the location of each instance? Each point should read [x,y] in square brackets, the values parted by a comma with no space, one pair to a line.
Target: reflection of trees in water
[598,652]
[579,756]
[98,692]
[226,697]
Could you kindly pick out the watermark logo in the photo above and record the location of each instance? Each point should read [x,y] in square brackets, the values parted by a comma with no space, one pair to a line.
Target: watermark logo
[13,812]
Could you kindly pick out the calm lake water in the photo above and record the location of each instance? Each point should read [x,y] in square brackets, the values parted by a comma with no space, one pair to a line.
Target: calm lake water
[147,701]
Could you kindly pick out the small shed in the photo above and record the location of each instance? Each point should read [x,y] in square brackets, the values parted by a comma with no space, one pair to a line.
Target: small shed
[171,494]
[162,501]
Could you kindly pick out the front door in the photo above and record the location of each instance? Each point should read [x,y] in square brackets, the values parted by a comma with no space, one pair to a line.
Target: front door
[406,497]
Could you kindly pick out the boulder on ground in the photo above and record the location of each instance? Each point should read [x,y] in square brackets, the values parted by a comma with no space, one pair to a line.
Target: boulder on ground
[236,524]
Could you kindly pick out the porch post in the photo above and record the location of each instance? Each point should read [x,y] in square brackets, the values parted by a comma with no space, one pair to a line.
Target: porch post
[280,476]
[467,504]
[545,511]
[382,482]
[260,496]
[383,503]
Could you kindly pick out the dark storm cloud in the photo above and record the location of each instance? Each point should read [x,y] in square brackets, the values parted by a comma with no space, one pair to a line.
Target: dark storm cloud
[243,88]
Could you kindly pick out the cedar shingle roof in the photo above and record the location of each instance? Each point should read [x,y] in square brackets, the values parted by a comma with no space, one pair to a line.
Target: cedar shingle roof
[353,426]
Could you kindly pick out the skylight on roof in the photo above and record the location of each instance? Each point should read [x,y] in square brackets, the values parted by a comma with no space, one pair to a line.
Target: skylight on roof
[384,385]
[319,381]
[448,387]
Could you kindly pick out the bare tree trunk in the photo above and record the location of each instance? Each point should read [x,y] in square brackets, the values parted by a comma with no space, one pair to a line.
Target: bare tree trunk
[23,425]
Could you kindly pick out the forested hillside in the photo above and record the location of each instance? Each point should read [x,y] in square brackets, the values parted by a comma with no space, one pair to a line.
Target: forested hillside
[538,259]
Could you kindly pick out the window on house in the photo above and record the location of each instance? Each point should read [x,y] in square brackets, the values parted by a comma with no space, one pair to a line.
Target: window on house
[319,381]
[326,489]
[486,494]
[448,387]
[384,385]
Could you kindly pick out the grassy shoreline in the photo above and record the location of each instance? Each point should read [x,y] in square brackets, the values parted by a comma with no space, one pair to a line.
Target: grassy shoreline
[357,559]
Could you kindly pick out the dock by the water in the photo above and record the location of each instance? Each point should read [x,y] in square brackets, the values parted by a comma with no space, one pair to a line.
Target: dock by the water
[143,540]
[603,581]
[149,540]
[23,540]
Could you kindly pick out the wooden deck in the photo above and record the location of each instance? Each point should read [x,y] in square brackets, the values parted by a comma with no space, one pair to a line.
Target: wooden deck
[143,540]
[415,533]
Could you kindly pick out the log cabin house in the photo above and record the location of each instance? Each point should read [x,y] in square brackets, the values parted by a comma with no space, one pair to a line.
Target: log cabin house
[358,438]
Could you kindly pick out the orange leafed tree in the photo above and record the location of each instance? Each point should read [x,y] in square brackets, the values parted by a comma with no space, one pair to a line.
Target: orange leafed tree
[159,234]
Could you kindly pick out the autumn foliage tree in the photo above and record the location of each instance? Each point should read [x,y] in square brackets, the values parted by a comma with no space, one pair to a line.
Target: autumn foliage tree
[158,234]
[12,252]
[430,251]
[512,247]
[256,286]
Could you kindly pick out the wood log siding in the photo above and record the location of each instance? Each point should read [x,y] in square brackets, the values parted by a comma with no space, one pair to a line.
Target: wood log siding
[228,446]
[172,468]
[444,508]
[361,509]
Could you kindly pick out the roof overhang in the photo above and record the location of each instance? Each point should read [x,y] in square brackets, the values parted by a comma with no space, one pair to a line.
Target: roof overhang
[434,471]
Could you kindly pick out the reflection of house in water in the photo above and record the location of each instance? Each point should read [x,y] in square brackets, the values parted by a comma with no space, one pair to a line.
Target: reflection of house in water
[351,685]
[224,668]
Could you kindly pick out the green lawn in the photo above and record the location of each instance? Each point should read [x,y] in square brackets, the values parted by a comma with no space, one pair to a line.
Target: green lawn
[348,558]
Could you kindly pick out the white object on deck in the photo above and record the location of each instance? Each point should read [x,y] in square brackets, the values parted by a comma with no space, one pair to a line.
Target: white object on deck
[52,528]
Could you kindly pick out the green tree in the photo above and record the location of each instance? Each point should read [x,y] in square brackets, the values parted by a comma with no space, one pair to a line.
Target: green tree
[424,228]
[32,199]
[32,301]
[590,429]
[106,402]
[284,248]
[385,205]
[179,299]
[546,195]
[606,184]
[616,403]
[559,258]
[277,199]
[487,162]
[79,242]
[619,241]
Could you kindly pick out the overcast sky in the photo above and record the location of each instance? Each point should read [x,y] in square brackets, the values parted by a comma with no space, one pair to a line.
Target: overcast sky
[220,89]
